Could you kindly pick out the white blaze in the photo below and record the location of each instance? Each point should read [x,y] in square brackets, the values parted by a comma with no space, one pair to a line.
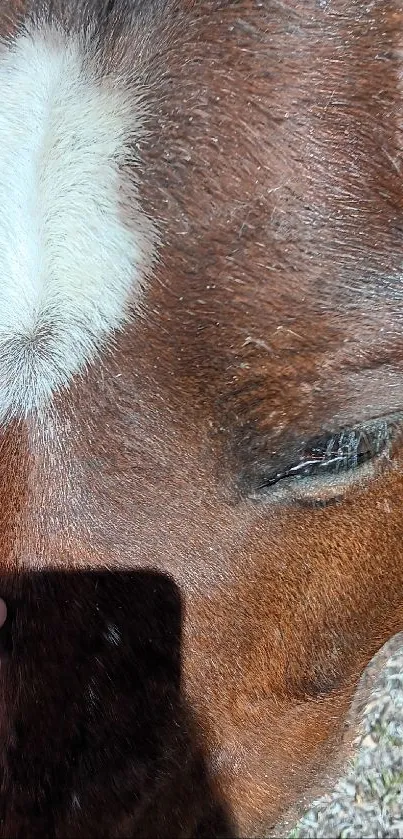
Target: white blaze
[69,259]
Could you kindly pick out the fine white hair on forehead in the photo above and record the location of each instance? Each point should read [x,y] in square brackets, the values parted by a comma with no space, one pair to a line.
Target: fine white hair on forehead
[74,244]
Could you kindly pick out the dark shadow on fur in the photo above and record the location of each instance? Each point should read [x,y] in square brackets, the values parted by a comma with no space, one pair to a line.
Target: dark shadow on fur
[95,738]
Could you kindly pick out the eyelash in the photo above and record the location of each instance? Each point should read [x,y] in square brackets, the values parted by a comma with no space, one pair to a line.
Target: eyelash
[338,453]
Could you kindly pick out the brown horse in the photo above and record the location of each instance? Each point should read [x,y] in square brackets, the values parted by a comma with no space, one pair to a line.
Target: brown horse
[201,410]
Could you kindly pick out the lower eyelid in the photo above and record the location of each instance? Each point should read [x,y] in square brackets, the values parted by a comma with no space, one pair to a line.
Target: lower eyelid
[328,488]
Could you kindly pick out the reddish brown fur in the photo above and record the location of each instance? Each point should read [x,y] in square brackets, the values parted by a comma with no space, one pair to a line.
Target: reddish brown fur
[273,170]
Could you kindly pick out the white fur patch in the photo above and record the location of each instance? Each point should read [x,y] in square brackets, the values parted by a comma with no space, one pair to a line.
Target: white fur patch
[70,262]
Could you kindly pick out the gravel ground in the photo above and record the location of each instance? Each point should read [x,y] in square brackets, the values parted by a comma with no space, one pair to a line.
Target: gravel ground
[368,800]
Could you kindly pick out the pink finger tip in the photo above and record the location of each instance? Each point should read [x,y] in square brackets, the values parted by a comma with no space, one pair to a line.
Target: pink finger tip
[3,612]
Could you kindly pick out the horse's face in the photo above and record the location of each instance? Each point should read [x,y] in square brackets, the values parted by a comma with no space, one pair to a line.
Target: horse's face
[242,434]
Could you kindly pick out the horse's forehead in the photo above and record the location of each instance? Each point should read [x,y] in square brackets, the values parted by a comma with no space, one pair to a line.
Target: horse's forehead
[282,239]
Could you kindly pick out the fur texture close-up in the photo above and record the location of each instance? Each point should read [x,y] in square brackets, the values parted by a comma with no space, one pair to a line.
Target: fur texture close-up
[201,415]
[63,139]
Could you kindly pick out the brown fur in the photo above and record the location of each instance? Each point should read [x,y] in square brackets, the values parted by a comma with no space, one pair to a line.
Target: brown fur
[272,168]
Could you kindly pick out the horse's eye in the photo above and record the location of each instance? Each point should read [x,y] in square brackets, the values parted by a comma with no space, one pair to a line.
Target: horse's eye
[334,455]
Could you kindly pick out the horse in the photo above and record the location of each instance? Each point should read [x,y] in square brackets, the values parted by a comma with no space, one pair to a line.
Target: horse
[201,403]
